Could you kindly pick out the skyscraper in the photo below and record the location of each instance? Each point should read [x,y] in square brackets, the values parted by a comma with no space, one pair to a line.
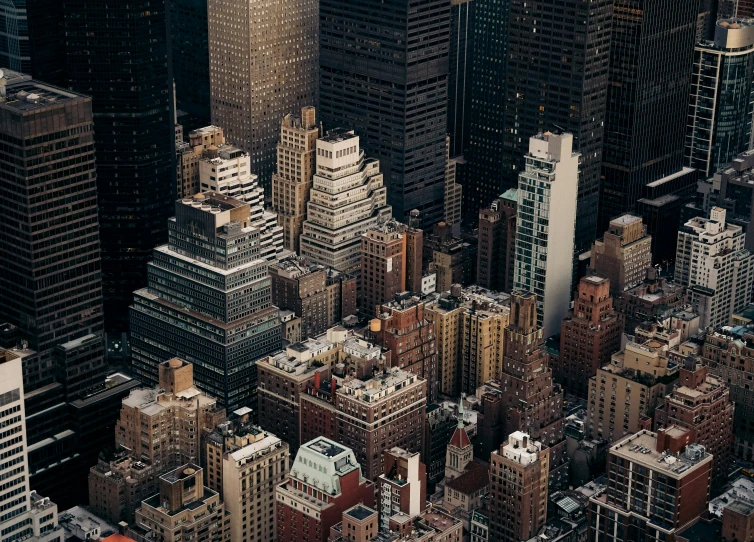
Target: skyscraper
[462,26]
[722,97]
[208,300]
[497,243]
[556,79]
[651,56]
[262,65]
[384,73]
[133,126]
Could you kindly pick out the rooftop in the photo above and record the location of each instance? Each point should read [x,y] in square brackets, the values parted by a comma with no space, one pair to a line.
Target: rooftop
[475,478]
[741,490]
[360,512]
[641,448]
[23,94]
[337,135]
[325,447]
[625,220]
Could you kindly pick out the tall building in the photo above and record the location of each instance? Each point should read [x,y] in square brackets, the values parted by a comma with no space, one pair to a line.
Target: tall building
[453,189]
[189,54]
[325,481]
[402,487]
[497,243]
[588,336]
[712,263]
[651,58]
[545,215]
[208,300]
[347,198]
[292,179]
[623,254]
[409,336]
[188,156]
[649,300]
[256,78]
[133,134]
[656,484]
[518,488]
[397,102]
[462,25]
[701,403]
[733,189]
[26,514]
[722,97]
[568,93]
[386,266]
[301,287]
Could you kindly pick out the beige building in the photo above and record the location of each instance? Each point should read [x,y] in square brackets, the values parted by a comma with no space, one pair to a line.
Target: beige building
[246,465]
[453,190]
[624,394]
[189,155]
[295,168]
[118,484]
[263,64]
[183,511]
[623,254]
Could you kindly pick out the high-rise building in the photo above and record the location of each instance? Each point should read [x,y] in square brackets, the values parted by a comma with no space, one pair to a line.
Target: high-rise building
[208,300]
[518,488]
[325,481]
[409,336]
[701,403]
[545,216]
[588,336]
[656,484]
[292,180]
[453,189]
[256,78]
[712,263]
[440,424]
[569,94]
[649,300]
[402,487]
[733,189]
[347,198]
[623,254]
[396,102]
[301,287]
[386,266]
[497,243]
[188,156]
[26,515]
[722,97]
[651,58]
[189,54]
[133,134]
[462,25]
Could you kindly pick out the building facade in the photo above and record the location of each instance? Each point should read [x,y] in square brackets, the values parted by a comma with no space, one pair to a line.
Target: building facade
[301,287]
[497,243]
[623,254]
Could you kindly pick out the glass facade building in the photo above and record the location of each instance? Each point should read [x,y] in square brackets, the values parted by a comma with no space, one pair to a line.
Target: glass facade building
[462,26]
[722,97]
[384,73]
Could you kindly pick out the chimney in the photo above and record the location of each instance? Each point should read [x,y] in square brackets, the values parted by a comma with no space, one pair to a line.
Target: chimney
[317,380]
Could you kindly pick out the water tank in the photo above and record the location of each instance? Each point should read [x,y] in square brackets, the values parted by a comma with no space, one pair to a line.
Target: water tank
[375,325]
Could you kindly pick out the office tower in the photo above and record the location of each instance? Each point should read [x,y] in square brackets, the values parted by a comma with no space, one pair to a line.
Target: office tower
[387,265]
[226,170]
[301,287]
[497,243]
[624,393]
[292,179]
[556,79]
[214,255]
[324,482]
[733,189]
[453,189]
[665,472]
[651,58]
[623,254]
[51,287]
[518,488]
[31,39]
[453,259]
[589,335]
[544,226]
[712,263]
[26,514]
[251,463]
[404,330]
[189,54]
[133,136]
[347,198]
[256,78]
[701,403]
[183,510]
[188,156]
[445,314]
[537,409]
[462,25]
[402,487]
[662,218]
[722,97]
[396,102]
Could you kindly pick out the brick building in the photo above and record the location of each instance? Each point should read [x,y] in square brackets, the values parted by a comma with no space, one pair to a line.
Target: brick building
[649,299]
[623,254]
[301,287]
[402,488]
[497,243]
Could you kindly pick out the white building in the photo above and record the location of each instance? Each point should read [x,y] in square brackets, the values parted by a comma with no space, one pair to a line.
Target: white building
[547,191]
[25,515]
[347,199]
[713,264]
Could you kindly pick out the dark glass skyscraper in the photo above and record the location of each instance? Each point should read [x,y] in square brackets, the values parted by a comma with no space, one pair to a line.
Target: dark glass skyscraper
[558,56]
[117,54]
[651,56]
[462,26]
[384,73]
[189,50]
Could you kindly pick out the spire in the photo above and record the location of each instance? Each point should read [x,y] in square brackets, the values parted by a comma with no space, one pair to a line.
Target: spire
[460,413]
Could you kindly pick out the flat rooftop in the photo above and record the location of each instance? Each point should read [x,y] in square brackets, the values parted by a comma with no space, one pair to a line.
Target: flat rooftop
[625,220]
[360,512]
[338,134]
[325,447]
[24,94]
[215,199]
[641,448]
